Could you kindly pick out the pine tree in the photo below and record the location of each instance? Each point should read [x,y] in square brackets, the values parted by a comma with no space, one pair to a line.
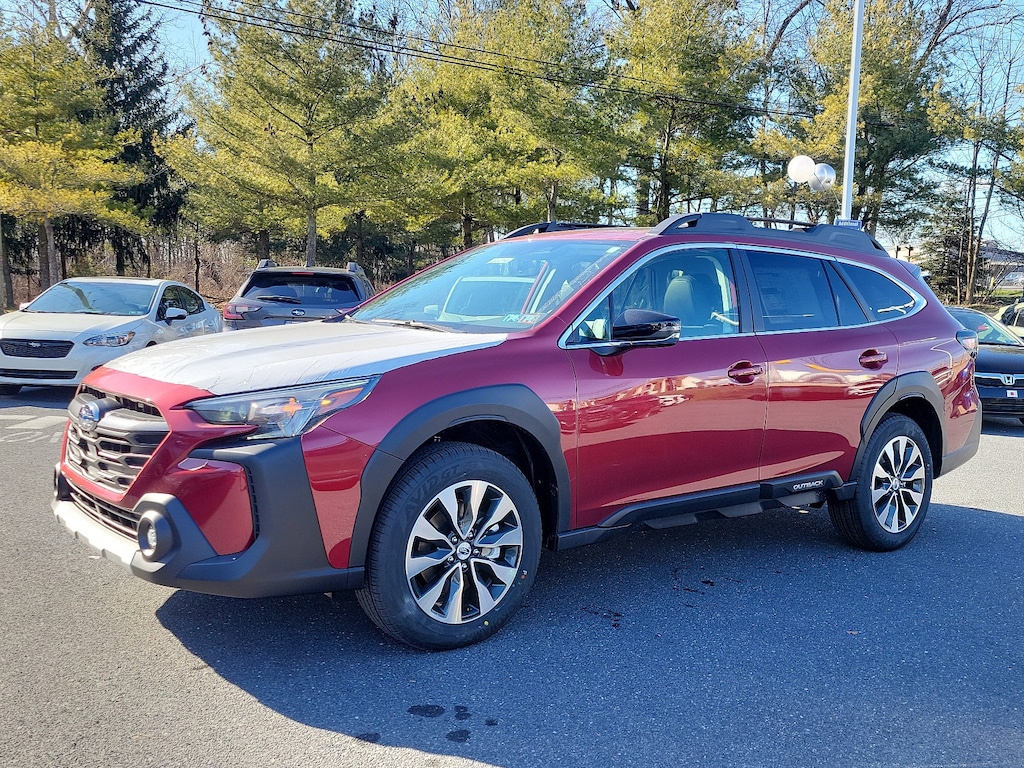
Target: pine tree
[288,132]
[120,40]
[57,157]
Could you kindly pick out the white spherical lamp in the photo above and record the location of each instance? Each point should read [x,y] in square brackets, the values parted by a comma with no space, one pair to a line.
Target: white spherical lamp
[800,168]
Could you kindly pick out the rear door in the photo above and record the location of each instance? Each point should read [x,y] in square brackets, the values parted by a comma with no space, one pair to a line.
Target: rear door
[826,360]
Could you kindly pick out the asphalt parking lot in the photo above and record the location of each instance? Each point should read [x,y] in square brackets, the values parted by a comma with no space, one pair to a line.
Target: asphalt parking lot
[763,641]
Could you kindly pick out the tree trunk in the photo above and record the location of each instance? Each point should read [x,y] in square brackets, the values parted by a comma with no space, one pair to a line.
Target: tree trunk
[311,239]
[6,285]
[56,274]
[263,244]
[553,201]
[360,247]
[467,226]
[42,246]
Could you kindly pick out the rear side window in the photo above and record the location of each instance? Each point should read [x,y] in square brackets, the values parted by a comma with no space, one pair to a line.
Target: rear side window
[792,292]
[883,298]
[309,290]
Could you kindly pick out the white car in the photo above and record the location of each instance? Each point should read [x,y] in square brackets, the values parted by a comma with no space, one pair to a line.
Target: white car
[78,324]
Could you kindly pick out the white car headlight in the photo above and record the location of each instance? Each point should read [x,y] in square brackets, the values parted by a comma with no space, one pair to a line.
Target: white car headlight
[110,339]
[284,412]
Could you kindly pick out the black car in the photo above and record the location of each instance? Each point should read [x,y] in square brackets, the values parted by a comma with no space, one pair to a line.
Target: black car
[274,295]
[999,372]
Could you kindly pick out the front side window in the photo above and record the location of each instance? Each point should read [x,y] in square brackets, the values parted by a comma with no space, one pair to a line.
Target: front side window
[696,286]
[168,300]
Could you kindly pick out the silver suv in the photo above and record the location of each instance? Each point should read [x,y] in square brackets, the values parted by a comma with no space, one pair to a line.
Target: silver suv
[274,295]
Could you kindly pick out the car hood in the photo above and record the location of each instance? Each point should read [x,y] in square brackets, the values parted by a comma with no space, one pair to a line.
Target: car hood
[59,325]
[280,356]
[993,358]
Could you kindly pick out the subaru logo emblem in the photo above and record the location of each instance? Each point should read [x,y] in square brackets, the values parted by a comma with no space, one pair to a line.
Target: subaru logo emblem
[35,344]
[89,416]
[298,312]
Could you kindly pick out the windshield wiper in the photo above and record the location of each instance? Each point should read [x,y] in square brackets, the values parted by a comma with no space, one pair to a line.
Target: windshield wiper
[282,299]
[412,324]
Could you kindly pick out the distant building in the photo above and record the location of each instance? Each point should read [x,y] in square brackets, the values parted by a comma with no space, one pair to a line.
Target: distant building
[1005,267]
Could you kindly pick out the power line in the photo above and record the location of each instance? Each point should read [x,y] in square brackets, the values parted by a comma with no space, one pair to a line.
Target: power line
[577,76]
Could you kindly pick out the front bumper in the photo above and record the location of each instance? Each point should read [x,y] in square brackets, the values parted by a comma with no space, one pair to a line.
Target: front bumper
[287,556]
[59,371]
[997,401]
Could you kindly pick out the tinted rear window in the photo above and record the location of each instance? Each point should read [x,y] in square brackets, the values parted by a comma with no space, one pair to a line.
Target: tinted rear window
[310,290]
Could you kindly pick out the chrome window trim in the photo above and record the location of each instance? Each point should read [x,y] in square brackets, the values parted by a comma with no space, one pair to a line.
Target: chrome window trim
[919,301]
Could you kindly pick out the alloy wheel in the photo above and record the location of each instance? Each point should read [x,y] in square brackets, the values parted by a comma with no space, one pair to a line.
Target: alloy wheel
[464,552]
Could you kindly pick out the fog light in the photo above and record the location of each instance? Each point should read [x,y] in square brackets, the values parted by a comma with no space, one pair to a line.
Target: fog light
[155,534]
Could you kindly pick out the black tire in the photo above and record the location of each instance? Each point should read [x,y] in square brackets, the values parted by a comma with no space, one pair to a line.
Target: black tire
[894,487]
[434,580]
[10,389]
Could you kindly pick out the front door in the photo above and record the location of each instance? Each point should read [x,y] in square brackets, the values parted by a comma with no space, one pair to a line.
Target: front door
[658,422]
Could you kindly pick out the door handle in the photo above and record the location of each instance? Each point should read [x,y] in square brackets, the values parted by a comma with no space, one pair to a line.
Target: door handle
[873,359]
[744,372]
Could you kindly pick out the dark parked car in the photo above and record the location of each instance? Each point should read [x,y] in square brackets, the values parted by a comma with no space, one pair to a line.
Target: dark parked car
[999,370]
[274,295]
[551,389]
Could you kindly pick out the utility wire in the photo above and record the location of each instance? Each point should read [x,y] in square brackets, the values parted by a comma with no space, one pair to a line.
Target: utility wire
[578,76]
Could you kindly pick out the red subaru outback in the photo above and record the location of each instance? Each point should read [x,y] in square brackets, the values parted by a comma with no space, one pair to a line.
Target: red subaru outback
[547,389]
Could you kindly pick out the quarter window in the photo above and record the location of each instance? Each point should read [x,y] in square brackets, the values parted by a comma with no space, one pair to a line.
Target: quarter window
[883,298]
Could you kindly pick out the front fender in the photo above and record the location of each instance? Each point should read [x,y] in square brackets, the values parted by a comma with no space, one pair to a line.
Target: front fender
[514,404]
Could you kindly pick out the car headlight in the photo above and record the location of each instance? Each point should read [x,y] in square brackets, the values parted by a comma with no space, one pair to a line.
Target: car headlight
[110,339]
[284,412]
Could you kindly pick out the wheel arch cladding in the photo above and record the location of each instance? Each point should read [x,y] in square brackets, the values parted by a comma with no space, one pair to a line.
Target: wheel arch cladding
[916,396]
[509,419]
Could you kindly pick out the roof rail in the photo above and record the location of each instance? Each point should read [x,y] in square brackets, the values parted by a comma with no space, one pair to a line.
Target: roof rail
[552,226]
[266,263]
[799,231]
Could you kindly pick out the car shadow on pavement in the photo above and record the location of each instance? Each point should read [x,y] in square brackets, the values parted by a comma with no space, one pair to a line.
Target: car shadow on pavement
[39,397]
[1005,426]
[759,641]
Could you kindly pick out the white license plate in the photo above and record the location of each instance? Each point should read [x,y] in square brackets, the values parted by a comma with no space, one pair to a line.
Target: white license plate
[1011,393]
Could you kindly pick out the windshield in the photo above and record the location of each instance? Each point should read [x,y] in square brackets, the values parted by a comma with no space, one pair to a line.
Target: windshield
[510,285]
[89,298]
[989,331]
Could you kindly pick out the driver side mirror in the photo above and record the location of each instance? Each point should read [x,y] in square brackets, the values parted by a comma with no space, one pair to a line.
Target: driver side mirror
[640,328]
[645,325]
[174,313]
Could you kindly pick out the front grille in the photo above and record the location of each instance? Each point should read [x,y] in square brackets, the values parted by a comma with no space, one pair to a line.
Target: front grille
[109,440]
[121,520]
[18,373]
[140,406]
[34,348]
[996,380]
